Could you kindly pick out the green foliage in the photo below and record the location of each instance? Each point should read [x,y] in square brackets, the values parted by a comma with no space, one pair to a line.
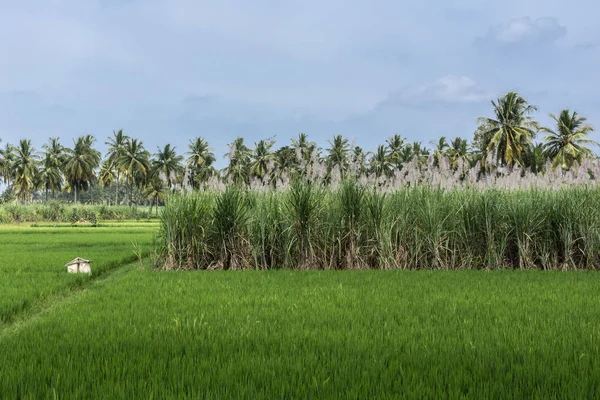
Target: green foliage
[321,335]
[32,260]
[355,227]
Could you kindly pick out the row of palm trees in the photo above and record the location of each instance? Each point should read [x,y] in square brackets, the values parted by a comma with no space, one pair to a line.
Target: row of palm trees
[507,139]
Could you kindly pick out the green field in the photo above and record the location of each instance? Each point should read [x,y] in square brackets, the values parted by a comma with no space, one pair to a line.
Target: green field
[32,259]
[137,333]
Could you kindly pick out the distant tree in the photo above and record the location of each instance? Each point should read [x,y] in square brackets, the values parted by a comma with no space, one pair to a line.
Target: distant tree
[262,157]
[568,143]
[304,147]
[135,164]
[107,175]
[116,149]
[80,163]
[238,169]
[50,176]
[25,169]
[168,163]
[200,161]
[380,163]
[439,149]
[534,158]
[7,163]
[459,150]
[512,130]
[395,146]
[338,154]
[286,164]
[155,191]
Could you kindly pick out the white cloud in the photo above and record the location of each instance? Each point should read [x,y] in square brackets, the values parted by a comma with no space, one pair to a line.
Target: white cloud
[526,30]
[447,89]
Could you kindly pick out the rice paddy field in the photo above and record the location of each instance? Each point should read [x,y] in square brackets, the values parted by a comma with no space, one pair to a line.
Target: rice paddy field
[130,331]
[32,259]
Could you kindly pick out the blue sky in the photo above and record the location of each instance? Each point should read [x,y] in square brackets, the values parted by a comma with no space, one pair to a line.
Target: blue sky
[169,70]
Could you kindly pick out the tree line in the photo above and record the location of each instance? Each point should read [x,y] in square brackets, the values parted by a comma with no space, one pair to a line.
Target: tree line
[507,138]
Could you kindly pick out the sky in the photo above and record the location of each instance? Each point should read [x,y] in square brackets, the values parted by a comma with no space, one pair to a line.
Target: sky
[166,71]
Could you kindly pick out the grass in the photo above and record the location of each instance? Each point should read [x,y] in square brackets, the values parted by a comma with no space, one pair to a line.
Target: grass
[32,259]
[326,334]
[361,227]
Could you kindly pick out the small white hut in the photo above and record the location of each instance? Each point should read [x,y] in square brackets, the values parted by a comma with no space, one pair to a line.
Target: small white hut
[79,266]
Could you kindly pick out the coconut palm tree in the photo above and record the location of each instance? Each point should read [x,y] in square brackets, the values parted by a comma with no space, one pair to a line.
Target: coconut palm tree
[116,148]
[107,174]
[7,163]
[167,163]
[25,169]
[303,147]
[395,144]
[50,176]
[338,154]
[262,159]
[80,163]
[512,130]
[56,151]
[135,164]
[380,162]
[200,160]
[239,162]
[458,150]
[155,191]
[439,149]
[286,164]
[569,142]
[534,158]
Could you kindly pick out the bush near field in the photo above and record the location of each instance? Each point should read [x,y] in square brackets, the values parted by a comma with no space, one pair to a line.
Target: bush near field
[355,226]
[54,211]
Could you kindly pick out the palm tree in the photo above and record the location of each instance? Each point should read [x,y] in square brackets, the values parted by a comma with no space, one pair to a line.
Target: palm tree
[535,158]
[458,150]
[200,160]
[395,144]
[56,151]
[262,159]
[116,148]
[568,143]
[439,149]
[286,163]
[303,147]
[167,163]
[25,169]
[81,161]
[239,162]
[338,154]
[135,164]
[512,130]
[107,175]
[380,162]
[155,191]
[50,176]
[358,161]
[7,163]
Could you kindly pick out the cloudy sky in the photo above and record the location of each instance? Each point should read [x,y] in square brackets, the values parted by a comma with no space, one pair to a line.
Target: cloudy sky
[169,70]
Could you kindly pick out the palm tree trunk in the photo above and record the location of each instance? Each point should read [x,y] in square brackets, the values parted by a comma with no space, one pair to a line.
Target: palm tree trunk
[75,194]
[46,195]
[117,191]
[156,198]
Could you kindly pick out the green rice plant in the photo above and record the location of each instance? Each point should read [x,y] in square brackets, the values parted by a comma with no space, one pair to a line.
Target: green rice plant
[316,334]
